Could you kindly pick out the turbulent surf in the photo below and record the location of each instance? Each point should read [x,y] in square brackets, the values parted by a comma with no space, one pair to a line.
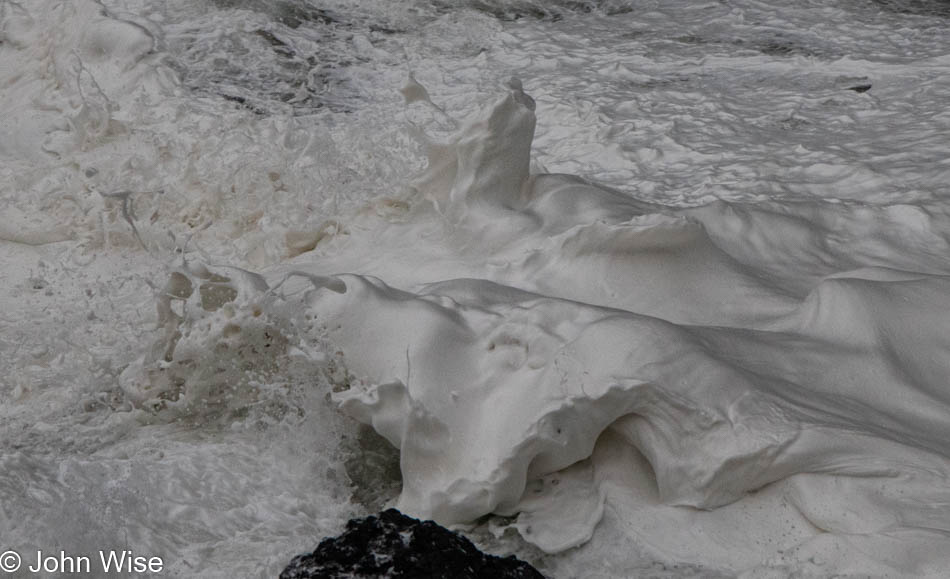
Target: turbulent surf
[625,289]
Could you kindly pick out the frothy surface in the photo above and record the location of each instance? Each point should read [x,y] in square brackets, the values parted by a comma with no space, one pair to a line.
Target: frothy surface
[678,312]
[600,342]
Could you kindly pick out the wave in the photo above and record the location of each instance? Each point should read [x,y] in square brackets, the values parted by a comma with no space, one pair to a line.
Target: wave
[561,350]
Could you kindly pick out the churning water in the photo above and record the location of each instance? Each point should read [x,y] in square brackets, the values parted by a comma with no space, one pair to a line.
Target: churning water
[637,288]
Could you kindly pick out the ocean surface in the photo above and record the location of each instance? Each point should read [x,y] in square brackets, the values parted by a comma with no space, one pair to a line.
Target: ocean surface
[626,288]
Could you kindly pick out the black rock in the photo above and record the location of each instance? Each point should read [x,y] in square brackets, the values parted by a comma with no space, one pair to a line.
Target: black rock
[395,546]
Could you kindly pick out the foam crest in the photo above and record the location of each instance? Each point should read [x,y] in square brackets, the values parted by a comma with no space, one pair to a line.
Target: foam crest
[584,322]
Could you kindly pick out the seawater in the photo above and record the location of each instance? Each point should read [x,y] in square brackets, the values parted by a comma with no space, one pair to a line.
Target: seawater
[670,304]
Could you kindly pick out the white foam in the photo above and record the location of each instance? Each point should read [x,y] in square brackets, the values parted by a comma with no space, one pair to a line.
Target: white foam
[712,345]
[606,315]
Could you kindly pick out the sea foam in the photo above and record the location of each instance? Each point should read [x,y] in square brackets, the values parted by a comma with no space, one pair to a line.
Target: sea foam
[697,366]
[196,258]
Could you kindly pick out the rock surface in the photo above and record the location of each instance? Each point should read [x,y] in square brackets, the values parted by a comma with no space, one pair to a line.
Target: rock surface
[393,545]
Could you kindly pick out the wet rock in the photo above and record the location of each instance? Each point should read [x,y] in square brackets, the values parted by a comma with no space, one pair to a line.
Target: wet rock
[395,546]
[858,84]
